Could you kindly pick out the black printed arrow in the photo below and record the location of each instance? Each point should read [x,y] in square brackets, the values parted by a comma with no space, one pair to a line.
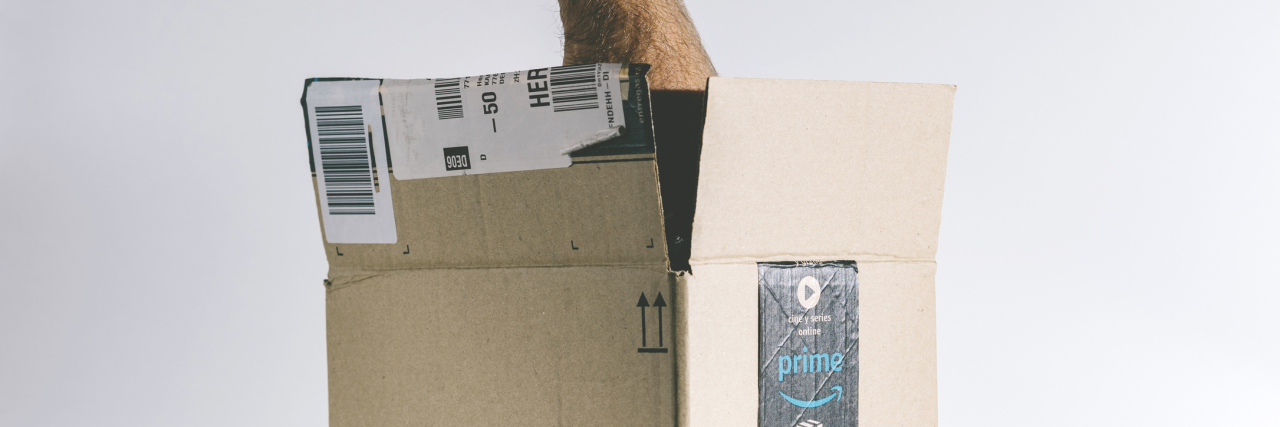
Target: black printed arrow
[659,302]
[643,304]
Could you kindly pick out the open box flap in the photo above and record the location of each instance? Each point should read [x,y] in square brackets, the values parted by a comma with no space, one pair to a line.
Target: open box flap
[799,170]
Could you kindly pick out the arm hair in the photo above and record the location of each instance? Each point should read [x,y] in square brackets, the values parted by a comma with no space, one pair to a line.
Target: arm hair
[656,32]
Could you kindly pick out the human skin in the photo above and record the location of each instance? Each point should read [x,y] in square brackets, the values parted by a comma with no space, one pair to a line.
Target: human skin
[655,32]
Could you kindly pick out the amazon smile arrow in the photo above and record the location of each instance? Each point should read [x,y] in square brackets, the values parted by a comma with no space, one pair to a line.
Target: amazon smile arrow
[839,391]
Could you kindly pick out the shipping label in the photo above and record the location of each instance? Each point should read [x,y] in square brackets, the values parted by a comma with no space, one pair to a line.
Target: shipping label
[349,160]
[503,122]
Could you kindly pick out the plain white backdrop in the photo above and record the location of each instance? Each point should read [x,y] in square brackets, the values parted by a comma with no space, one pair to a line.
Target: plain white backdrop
[1109,237]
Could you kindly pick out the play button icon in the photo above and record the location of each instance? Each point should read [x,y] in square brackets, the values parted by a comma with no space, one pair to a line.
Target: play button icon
[808,282]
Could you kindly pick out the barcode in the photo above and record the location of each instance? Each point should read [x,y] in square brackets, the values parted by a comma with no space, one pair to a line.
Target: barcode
[448,98]
[345,160]
[574,88]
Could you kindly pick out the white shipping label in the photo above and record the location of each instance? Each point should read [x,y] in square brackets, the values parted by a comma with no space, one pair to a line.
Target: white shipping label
[501,122]
[350,158]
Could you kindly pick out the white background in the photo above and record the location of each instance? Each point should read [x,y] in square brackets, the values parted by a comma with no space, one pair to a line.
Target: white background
[1108,243]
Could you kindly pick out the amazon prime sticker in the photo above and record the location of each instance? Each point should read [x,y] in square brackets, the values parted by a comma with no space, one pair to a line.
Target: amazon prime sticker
[808,344]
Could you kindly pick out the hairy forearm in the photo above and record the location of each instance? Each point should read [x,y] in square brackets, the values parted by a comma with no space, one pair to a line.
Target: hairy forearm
[657,32]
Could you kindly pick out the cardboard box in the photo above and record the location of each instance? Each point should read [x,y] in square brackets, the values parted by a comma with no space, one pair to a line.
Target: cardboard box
[796,171]
[502,298]
[561,295]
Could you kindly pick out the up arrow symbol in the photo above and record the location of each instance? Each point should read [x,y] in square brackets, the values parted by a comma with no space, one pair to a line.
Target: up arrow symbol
[659,302]
[643,304]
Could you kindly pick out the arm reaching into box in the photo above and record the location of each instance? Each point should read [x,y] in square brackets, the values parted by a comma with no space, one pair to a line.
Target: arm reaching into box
[656,32]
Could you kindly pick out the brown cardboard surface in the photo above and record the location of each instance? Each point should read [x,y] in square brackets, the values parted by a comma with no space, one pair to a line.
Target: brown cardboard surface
[718,344]
[863,161]
[497,346]
[535,297]
[899,335]
[807,170]
[509,300]
[607,208]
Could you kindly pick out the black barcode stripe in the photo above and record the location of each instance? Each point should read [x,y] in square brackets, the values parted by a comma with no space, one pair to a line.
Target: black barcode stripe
[574,88]
[345,158]
[449,98]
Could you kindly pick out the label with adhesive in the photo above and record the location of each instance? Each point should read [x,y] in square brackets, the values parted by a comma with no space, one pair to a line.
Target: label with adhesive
[349,160]
[504,122]
[362,133]
[808,344]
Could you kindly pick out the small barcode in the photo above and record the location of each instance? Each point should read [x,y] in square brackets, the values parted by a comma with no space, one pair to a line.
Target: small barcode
[449,98]
[574,88]
[344,158]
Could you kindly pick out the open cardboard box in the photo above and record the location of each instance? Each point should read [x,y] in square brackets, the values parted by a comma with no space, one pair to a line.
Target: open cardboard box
[628,288]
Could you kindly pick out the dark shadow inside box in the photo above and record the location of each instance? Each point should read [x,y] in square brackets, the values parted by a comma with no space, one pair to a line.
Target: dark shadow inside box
[677,137]
[678,117]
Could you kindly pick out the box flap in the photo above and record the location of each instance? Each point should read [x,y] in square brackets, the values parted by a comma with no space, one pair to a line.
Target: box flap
[601,212]
[799,170]
[458,182]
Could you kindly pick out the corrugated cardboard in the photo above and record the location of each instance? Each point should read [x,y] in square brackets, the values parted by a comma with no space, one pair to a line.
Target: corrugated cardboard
[510,301]
[512,298]
[805,170]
